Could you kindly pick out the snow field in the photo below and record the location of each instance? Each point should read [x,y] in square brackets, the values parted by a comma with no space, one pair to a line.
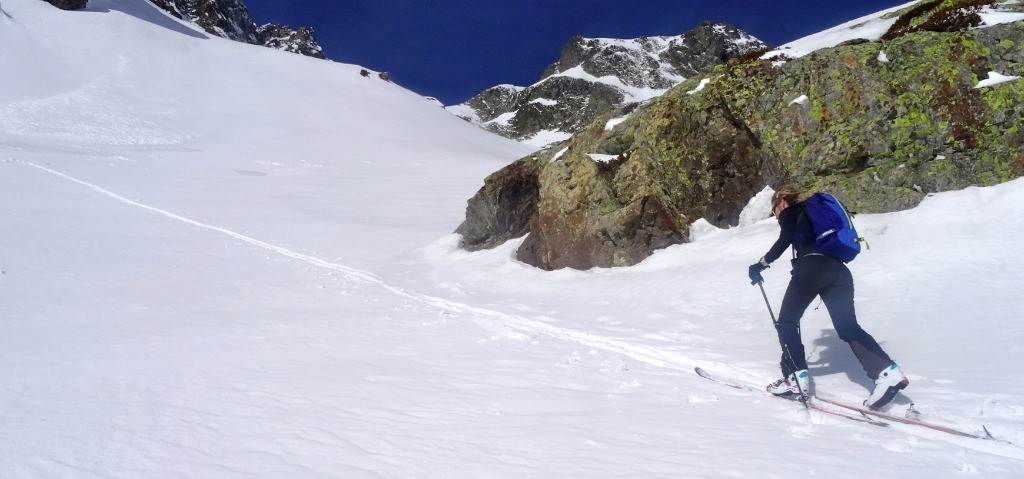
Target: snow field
[256,278]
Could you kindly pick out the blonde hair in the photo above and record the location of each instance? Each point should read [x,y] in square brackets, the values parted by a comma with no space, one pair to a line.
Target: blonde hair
[791,193]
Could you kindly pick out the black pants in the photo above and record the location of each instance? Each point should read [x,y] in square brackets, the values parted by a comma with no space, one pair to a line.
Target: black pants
[815,275]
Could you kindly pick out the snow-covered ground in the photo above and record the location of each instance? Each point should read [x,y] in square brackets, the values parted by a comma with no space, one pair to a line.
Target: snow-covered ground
[221,261]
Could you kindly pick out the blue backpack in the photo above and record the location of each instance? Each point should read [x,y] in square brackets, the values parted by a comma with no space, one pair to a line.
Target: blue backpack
[834,233]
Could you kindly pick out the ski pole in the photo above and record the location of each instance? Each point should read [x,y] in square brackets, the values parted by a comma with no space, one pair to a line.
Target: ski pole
[785,349]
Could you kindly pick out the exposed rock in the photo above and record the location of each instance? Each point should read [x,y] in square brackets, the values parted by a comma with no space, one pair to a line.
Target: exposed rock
[68,4]
[855,41]
[301,41]
[594,77]
[707,45]
[495,101]
[879,134]
[608,214]
[223,18]
[938,16]
[504,208]
[230,19]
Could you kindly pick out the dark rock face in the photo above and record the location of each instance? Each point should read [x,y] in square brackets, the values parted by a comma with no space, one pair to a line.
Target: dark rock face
[68,4]
[634,62]
[593,77]
[223,18]
[301,41]
[504,208]
[230,19]
[655,62]
[880,131]
[495,101]
[579,103]
[938,16]
[707,45]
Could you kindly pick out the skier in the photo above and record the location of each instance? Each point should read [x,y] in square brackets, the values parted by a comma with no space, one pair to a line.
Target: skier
[814,274]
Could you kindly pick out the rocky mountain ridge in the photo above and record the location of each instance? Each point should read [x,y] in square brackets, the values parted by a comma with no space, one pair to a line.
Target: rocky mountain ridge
[230,19]
[924,99]
[595,76]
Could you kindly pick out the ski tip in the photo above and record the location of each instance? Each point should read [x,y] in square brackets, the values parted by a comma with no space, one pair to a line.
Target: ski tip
[988,435]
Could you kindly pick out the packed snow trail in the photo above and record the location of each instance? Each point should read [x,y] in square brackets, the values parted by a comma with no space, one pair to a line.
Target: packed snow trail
[521,324]
[644,354]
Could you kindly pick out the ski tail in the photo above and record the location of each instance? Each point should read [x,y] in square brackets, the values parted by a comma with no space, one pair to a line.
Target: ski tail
[808,403]
[906,420]
[850,411]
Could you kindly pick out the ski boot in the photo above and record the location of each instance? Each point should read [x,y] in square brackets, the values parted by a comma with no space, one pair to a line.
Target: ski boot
[890,381]
[792,386]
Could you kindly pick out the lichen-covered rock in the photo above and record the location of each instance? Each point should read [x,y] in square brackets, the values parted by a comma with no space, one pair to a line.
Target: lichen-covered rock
[607,214]
[938,16]
[880,124]
[885,133]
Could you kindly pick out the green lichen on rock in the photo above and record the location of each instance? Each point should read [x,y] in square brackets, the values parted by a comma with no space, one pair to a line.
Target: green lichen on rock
[880,131]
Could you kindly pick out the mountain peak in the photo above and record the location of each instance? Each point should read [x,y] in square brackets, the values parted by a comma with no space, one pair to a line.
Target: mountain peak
[594,76]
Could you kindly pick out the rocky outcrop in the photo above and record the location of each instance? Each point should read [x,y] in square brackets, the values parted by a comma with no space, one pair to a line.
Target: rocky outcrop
[68,4]
[879,123]
[655,62]
[505,208]
[594,77]
[301,41]
[230,19]
[223,18]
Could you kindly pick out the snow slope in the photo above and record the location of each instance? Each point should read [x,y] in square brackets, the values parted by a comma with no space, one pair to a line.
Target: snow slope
[224,261]
[186,112]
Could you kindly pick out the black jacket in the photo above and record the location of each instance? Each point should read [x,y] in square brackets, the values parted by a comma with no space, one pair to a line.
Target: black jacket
[795,230]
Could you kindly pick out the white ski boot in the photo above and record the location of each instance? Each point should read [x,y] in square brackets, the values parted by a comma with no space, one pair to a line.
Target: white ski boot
[788,386]
[890,381]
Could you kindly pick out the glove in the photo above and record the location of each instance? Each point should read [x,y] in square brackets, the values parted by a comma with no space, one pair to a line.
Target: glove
[755,271]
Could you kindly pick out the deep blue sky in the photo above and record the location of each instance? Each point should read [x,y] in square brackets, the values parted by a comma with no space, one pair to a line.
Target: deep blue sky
[453,49]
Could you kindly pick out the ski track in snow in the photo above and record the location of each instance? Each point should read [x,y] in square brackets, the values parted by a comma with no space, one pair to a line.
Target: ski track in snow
[644,354]
[521,324]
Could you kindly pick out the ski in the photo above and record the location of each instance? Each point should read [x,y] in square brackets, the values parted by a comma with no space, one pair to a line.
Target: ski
[906,420]
[742,385]
[866,415]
